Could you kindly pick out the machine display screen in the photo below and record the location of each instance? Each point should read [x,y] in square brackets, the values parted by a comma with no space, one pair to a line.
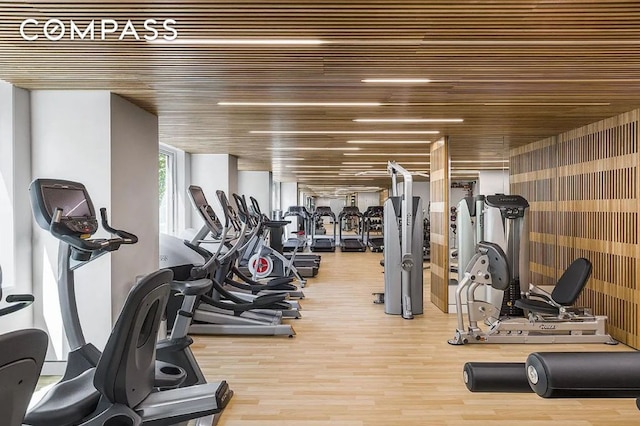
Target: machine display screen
[72,201]
[198,197]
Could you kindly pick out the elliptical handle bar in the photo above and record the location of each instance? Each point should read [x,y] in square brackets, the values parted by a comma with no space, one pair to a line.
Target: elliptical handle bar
[127,237]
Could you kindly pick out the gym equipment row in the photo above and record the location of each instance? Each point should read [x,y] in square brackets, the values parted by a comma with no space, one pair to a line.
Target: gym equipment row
[137,379]
[241,306]
[306,263]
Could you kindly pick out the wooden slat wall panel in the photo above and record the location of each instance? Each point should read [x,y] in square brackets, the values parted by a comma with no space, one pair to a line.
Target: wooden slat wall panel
[597,165]
[591,211]
[440,224]
[533,175]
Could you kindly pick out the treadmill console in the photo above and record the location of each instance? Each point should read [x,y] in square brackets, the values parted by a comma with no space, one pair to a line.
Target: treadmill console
[511,206]
[70,199]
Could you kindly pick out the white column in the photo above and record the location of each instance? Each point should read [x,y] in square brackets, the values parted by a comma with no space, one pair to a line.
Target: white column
[134,195]
[15,216]
[213,172]
[111,146]
[288,198]
[257,185]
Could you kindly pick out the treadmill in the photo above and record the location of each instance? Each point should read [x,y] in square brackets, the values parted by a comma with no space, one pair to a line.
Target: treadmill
[326,244]
[352,243]
[296,243]
[371,216]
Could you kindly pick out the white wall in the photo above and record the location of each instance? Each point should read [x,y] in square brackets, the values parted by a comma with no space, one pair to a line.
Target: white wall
[421,189]
[134,194]
[336,204]
[15,216]
[71,134]
[257,185]
[366,199]
[493,182]
[455,196]
[111,146]
[213,172]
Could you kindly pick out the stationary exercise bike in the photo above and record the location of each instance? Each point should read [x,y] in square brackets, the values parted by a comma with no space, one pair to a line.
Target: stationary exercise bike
[22,355]
[64,208]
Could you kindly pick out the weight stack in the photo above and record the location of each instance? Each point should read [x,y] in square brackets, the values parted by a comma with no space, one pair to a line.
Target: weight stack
[511,294]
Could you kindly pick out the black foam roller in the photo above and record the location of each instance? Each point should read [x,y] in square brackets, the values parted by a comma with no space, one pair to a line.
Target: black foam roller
[584,375]
[496,377]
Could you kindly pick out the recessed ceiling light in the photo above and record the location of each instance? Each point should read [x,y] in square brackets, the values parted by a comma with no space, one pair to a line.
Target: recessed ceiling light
[396,80]
[375,163]
[546,103]
[485,168]
[242,41]
[344,132]
[389,142]
[408,120]
[331,177]
[302,104]
[307,148]
[479,161]
[306,166]
[384,154]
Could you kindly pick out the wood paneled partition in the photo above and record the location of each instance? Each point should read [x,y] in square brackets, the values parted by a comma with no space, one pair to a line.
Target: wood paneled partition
[439,216]
[583,190]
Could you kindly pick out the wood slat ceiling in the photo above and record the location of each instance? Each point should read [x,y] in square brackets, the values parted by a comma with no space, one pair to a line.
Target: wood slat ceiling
[515,71]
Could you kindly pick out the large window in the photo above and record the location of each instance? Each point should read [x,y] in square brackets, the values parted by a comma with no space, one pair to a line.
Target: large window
[167,182]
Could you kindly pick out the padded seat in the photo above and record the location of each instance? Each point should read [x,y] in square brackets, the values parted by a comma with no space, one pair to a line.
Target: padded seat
[537,306]
[66,403]
[566,291]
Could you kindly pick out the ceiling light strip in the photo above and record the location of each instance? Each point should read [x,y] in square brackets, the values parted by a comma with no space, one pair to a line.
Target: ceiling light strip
[362,142]
[302,104]
[383,154]
[344,132]
[408,120]
[241,41]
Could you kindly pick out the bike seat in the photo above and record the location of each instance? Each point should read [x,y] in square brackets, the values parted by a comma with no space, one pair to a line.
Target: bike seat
[66,403]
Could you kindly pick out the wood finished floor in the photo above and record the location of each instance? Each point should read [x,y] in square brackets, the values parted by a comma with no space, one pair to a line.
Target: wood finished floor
[352,365]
